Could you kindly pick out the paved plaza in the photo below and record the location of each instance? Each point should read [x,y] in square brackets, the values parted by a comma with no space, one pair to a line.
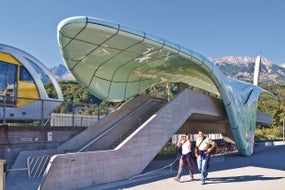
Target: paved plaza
[265,170]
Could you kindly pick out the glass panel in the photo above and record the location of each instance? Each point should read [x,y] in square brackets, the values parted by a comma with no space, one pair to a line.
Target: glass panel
[84,54]
[63,41]
[83,73]
[44,78]
[116,65]
[117,91]
[102,22]
[69,31]
[25,75]
[100,56]
[132,31]
[99,87]
[155,38]
[8,82]
[132,89]
[96,34]
[123,73]
[123,40]
[142,73]
[77,50]
[147,46]
[70,64]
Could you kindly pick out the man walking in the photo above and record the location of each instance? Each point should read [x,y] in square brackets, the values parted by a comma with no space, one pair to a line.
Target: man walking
[203,148]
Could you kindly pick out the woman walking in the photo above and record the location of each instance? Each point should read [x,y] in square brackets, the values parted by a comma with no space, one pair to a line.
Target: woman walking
[186,158]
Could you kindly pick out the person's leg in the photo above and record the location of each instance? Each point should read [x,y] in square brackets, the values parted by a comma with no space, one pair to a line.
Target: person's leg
[193,163]
[204,171]
[199,164]
[189,166]
[191,175]
[179,169]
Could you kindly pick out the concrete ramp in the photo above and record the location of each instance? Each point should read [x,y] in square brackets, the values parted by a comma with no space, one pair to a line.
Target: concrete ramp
[79,170]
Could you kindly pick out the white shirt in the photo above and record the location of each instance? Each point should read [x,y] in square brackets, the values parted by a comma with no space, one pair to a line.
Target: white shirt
[186,147]
[205,144]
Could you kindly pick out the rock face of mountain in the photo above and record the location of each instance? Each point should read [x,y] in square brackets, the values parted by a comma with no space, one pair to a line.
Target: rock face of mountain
[61,73]
[242,68]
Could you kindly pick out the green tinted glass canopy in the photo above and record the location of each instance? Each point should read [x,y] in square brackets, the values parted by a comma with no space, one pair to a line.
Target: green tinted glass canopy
[115,63]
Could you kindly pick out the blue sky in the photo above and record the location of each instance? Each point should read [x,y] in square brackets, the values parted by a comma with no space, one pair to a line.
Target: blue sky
[213,28]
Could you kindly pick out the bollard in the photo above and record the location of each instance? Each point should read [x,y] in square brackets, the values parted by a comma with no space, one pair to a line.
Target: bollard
[3,168]
[269,143]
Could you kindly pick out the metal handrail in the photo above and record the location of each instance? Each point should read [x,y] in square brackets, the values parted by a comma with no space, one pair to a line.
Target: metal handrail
[115,125]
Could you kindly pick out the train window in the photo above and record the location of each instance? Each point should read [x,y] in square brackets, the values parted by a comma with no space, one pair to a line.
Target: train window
[8,81]
[45,80]
[25,75]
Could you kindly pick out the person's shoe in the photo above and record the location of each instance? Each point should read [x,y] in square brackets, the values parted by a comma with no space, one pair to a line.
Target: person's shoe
[177,179]
[203,182]
[191,178]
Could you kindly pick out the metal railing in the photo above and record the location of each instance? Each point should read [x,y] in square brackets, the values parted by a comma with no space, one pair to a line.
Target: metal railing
[37,165]
[64,114]
[115,125]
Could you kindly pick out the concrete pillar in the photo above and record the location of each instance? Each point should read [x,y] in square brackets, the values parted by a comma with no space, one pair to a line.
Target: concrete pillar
[2,174]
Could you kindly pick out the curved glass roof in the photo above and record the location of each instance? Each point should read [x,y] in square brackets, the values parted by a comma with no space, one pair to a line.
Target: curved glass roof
[115,63]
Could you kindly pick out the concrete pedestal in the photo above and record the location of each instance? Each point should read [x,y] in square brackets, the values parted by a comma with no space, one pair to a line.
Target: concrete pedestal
[2,174]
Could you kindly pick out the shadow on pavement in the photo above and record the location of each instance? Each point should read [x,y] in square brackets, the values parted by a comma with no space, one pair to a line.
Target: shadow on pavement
[265,157]
[242,178]
[268,157]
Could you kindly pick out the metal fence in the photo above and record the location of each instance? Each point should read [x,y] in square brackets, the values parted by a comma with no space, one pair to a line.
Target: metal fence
[52,113]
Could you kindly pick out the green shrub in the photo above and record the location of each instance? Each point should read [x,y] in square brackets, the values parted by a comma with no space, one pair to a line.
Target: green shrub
[269,133]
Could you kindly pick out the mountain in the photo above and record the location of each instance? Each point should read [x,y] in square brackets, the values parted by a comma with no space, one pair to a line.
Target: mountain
[241,68]
[61,73]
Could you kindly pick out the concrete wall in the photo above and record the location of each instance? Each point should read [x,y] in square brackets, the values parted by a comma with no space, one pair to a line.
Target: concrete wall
[79,170]
[15,139]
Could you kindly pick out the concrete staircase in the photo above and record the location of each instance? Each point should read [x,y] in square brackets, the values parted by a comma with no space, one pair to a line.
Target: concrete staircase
[124,127]
[109,131]
[131,156]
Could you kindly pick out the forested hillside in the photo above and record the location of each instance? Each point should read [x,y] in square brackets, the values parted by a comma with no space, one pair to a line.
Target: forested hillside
[72,91]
